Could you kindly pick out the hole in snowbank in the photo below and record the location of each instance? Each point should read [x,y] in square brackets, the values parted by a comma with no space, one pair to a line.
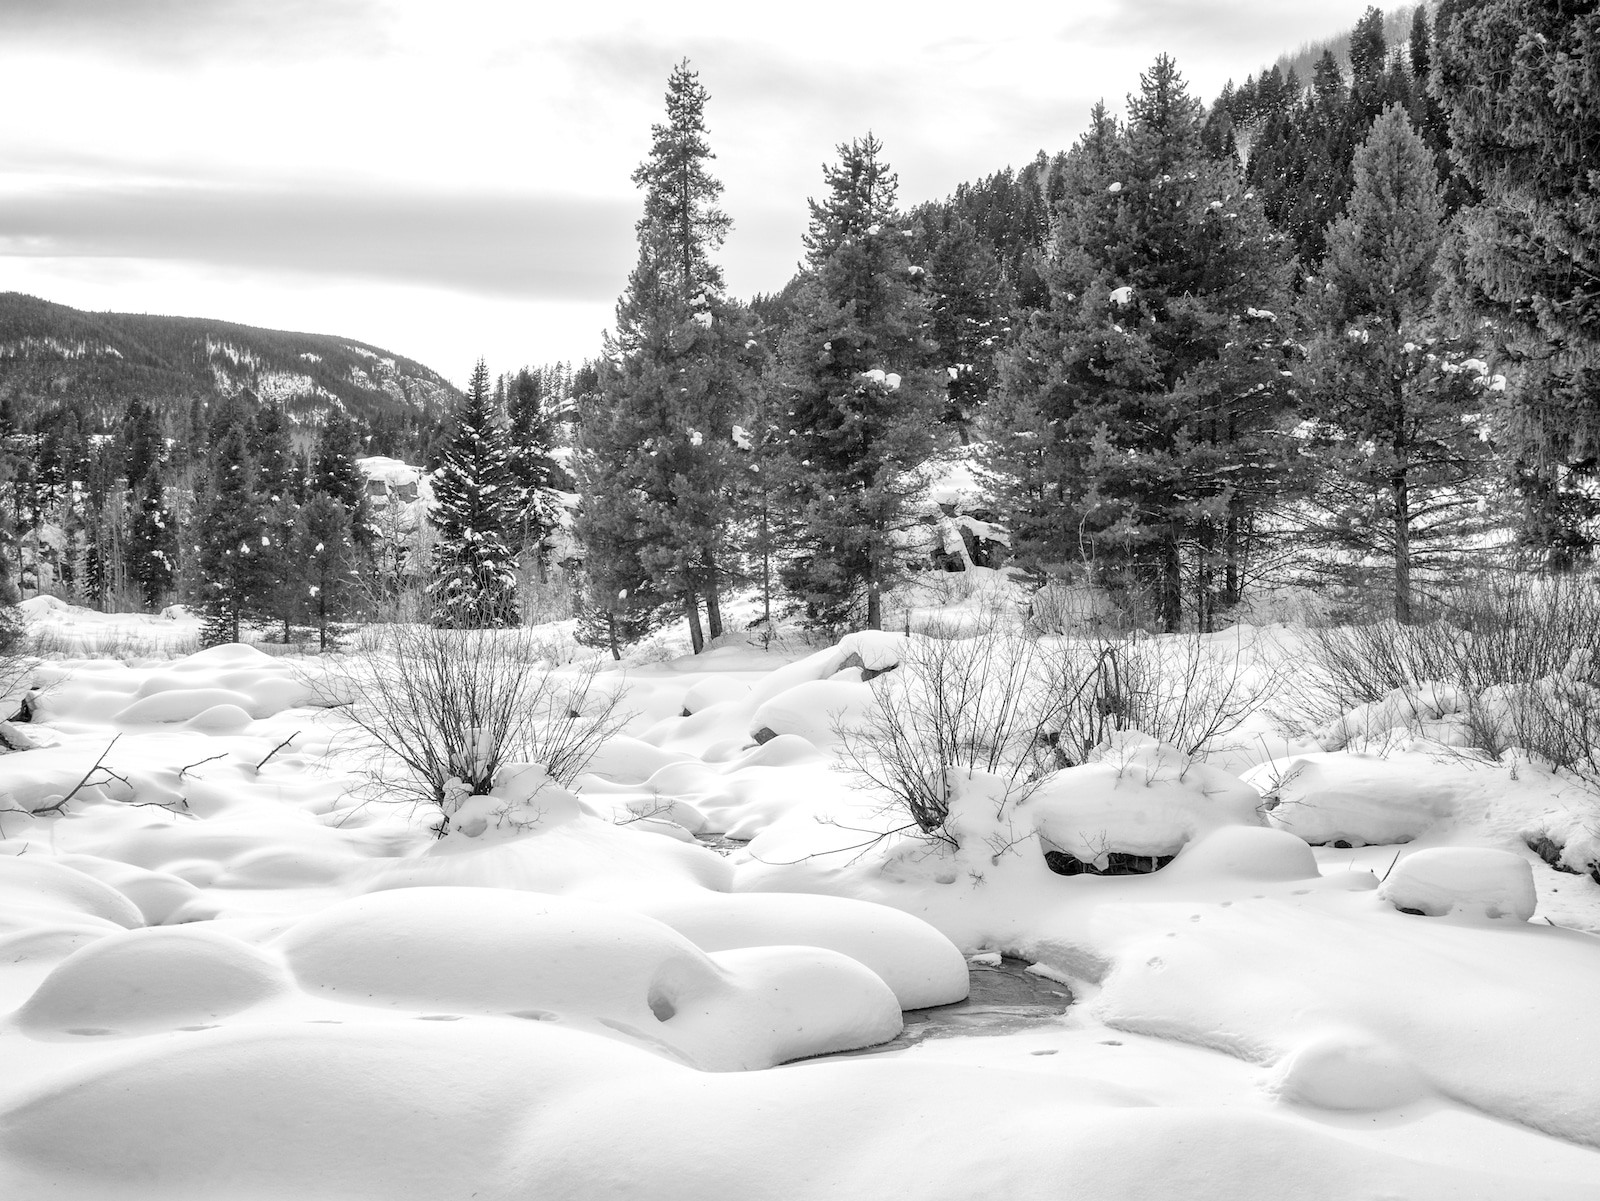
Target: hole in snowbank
[90,1031]
[661,1005]
[534,1015]
[1117,864]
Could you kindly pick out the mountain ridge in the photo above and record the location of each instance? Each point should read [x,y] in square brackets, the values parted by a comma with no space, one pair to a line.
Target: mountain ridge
[53,356]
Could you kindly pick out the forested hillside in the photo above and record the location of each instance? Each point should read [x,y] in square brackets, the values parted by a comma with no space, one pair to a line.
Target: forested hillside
[61,364]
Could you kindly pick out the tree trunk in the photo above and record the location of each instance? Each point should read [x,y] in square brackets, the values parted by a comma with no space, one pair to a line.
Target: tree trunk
[1171,581]
[713,600]
[1205,579]
[1400,496]
[874,598]
[611,636]
[691,610]
[766,573]
[1402,547]
[1232,586]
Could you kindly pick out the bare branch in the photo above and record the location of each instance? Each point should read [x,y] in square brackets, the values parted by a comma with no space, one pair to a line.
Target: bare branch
[276,749]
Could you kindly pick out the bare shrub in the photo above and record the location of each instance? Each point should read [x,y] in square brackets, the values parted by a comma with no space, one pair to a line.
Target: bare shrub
[1190,691]
[981,703]
[1511,657]
[442,711]
[1019,708]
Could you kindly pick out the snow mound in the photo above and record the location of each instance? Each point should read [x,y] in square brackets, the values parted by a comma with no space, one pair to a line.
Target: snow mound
[714,690]
[1245,853]
[417,1111]
[489,951]
[1362,800]
[1471,880]
[35,890]
[406,1112]
[1147,799]
[1347,1070]
[158,895]
[874,650]
[815,710]
[920,964]
[219,719]
[152,979]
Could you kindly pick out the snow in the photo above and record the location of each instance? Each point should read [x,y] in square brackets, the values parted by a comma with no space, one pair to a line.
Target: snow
[234,968]
[1439,881]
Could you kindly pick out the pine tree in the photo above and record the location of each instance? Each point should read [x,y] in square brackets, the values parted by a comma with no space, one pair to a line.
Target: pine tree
[233,569]
[152,546]
[671,380]
[531,442]
[1519,81]
[854,367]
[327,554]
[1393,398]
[968,303]
[335,470]
[1146,405]
[475,584]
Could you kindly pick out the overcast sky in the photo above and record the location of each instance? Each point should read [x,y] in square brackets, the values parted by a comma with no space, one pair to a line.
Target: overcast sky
[452,180]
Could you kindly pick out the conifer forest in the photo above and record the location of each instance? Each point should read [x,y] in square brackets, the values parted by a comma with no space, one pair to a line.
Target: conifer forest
[1334,326]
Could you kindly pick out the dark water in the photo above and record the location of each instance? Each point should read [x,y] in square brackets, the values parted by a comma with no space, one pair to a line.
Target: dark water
[1003,1000]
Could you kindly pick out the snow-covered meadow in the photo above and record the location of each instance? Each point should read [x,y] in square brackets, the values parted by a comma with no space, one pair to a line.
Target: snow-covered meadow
[232,967]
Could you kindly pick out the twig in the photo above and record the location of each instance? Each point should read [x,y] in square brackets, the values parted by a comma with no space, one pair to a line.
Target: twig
[1392,862]
[207,759]
[277,748]
[60,805]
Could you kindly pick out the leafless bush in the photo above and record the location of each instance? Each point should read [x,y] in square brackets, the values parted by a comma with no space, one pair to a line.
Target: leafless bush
[1019,707]
[1190,691]
[116,642]
[1513,659]
[969,704]
[442,711]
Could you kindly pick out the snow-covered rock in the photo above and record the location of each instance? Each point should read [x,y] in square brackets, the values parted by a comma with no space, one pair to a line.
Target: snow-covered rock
[1478,881]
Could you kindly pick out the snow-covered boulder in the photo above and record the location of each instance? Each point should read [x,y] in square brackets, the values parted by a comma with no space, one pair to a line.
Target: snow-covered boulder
[1477,881]
[1361,800]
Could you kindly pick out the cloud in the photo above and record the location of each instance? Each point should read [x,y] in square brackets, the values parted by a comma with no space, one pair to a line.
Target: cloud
[187,30]
[514,245]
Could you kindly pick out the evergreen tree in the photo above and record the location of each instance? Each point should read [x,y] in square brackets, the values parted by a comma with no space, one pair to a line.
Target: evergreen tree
[1519,81]
[233,536]
[475,584]
[1146,405]
[328,557]
[531,441]
[1394,400]
[335,470]
[968,302]
[671,380]
[152,546]
[862,396]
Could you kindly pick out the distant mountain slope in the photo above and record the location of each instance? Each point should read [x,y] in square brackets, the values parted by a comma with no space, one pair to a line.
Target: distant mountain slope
[54,356]
[1396,33]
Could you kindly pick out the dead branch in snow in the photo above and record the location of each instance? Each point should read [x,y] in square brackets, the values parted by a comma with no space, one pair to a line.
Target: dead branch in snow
[98,765]
[198,762]
[276,749]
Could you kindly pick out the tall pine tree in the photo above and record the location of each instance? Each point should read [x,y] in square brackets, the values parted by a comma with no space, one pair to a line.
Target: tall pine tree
[1519,81]
[234,570]
[862,395]
[1147,405]
[475,579]
[656,498]
[1396,409]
